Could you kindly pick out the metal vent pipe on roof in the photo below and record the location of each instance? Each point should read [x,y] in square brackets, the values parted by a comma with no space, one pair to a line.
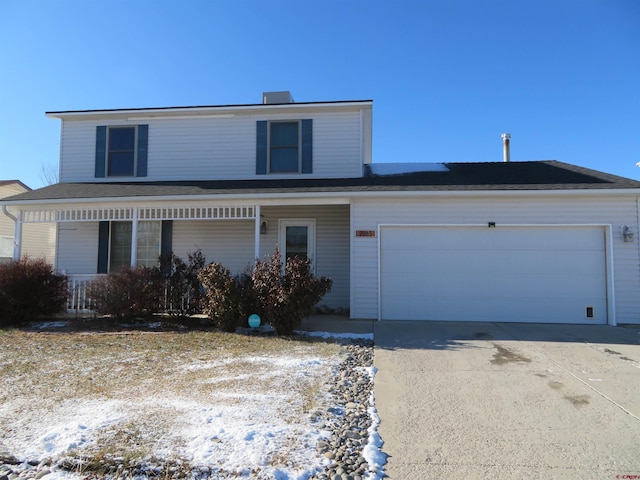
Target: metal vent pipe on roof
[506,147]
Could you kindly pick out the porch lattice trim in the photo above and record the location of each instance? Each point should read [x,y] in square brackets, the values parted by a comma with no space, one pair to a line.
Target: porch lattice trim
[234,212]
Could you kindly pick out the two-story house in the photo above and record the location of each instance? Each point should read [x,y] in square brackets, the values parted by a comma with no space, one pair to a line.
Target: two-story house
[539,241]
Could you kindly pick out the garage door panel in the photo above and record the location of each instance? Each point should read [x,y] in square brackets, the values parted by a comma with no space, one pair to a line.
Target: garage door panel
[436,261]
[486,283]
[546,274]
[492,264]
[553,310]
[480,238]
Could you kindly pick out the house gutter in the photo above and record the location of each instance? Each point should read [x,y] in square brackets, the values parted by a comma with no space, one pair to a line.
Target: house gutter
[339,196]
[8,214]
[195,112]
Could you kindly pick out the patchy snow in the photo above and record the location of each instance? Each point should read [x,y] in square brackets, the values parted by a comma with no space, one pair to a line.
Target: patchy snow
[69,427]
[348,336]
[47,325]
[252,433]
[372,452]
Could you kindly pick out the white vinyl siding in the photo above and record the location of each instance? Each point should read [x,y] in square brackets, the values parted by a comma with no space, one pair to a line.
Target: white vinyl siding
[217,148]
[38,240]
[331,244]
[229,242]
[77,248]
[617,211]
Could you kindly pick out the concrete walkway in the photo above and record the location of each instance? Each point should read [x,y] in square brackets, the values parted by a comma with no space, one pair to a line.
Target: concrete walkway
[484,400]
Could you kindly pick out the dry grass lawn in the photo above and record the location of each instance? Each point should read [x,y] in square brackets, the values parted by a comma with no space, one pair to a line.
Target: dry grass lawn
[194,397]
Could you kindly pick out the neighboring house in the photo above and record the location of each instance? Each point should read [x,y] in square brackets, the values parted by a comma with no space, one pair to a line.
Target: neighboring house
[539,241]
[38,239]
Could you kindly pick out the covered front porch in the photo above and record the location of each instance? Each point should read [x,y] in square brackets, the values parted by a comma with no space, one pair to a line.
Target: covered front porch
[94,240]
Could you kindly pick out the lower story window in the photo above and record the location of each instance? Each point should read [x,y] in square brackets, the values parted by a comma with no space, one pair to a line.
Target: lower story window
[147,244]
[149,234]
[6,248]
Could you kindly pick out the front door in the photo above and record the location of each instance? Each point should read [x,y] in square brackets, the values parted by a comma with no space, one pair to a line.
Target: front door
[296,238]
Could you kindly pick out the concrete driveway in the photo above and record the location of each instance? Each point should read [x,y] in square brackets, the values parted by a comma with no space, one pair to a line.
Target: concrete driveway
[487,400]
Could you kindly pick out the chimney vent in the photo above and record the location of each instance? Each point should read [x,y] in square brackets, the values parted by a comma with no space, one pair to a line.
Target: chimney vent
[506,137]
[274,98]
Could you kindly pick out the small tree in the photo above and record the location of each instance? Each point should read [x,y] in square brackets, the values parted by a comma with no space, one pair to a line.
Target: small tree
[29,289]
[285,298]
[128,292]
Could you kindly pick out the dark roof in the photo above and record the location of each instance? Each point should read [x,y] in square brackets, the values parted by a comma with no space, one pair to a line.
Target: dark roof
[535,175]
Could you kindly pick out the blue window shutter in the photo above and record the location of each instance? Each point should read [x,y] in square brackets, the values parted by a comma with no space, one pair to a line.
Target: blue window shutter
[307,146]
[103,247]
[166,247]
[261,147]
[101,151]
[143,142]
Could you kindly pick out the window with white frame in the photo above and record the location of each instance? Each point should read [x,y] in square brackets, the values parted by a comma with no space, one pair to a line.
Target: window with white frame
[147,244]
[6,247]
[284,147]
[120,251]
[121,151]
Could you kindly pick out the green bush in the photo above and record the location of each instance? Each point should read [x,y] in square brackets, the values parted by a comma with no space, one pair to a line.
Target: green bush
[128,292]
[283,299]
[29,289]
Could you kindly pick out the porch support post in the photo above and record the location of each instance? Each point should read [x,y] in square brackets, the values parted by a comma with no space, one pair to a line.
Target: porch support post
[17,238]
[256,210]
[134,237]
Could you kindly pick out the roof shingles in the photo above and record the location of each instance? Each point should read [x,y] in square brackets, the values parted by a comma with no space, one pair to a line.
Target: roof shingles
[534,175]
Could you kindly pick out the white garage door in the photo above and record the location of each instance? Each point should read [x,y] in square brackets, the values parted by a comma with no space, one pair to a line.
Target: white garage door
[500,274]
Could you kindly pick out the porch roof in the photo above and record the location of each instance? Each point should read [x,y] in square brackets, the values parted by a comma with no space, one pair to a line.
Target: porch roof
[498,176]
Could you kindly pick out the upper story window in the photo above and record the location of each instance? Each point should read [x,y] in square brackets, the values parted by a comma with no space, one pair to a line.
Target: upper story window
[121,151]
[284,151]
[284,147]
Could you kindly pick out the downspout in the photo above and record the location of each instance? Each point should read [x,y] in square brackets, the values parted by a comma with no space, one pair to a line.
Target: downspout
[17,236]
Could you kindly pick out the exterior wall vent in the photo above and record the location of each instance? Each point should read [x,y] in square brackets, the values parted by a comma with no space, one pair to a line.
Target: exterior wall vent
[589,312]
[274,98]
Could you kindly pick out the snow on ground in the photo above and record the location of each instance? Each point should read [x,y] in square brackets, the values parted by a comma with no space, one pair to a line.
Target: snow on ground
[372,452]
[346,336]
[231,431]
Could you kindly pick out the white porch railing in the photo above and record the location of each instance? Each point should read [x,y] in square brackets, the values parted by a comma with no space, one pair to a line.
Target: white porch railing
[77,300]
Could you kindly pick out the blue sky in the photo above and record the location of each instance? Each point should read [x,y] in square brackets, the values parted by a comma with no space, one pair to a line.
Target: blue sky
[447,77]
